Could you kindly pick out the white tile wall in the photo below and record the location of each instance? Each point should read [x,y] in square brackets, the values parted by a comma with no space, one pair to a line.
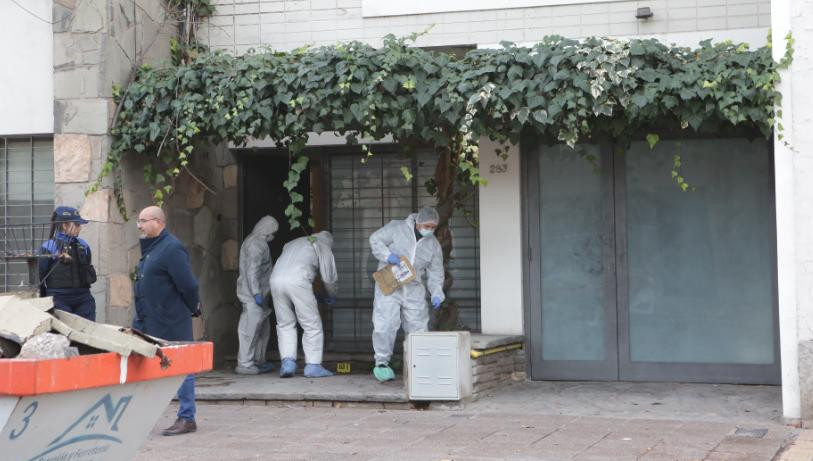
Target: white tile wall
[287,24]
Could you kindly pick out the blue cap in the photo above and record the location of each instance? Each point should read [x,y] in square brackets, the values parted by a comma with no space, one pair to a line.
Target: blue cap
[68,214]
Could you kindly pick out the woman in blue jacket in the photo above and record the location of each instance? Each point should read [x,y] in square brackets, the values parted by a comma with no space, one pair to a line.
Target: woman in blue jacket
[67,273]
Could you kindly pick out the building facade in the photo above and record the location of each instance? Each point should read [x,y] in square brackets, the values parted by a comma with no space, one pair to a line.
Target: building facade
[610,273]
[615,275]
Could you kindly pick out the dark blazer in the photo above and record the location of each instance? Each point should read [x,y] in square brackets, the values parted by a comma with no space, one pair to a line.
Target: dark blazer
[166,292]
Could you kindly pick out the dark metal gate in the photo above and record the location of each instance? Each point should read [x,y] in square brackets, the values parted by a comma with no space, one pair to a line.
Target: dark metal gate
[364,197]
[26,199]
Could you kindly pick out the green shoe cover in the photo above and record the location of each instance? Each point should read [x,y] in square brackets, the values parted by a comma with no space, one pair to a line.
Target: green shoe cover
[383,373]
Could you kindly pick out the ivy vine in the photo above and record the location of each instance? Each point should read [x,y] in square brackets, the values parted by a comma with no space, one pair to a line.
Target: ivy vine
[562,89]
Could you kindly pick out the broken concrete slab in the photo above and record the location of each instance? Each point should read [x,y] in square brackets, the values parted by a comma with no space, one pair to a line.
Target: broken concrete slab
[48,346]
[101,336]
[44,304]
[20,319]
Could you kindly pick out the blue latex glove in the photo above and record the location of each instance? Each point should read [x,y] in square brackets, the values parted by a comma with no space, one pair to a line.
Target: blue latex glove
[394,259]
[258,299]
[330,300]
[436,302]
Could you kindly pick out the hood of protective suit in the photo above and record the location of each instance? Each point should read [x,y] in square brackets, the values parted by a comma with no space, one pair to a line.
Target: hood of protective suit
[265,228]
[255,260]
[301,258]
[324,253]
[325,238]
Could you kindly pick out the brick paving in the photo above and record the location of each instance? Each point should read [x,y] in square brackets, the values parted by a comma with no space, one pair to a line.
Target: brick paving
[302,431]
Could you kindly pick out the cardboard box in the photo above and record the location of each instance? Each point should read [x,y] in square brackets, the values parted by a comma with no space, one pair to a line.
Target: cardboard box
[391,277]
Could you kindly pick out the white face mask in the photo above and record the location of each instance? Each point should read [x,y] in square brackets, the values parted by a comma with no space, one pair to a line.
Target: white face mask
[426,232]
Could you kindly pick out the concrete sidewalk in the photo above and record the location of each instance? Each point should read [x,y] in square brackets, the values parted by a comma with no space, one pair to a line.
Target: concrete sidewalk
[531,421]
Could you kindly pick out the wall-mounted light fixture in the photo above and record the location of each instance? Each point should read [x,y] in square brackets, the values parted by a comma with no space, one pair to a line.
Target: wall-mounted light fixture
[644,13]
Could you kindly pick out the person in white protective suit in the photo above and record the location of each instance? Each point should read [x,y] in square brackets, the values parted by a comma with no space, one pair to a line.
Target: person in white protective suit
[414,238]
[254,327]
[292,290]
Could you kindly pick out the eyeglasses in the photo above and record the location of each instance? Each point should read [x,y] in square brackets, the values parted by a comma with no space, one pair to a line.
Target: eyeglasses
[144,221]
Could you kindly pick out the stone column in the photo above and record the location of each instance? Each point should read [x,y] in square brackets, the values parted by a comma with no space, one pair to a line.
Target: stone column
[97,43]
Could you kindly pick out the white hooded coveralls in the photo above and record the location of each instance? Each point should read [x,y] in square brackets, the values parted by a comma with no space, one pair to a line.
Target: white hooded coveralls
[407,306]
[254,327]
[292,290]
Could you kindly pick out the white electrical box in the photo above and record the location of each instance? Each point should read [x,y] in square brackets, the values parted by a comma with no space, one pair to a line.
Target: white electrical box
[438,365]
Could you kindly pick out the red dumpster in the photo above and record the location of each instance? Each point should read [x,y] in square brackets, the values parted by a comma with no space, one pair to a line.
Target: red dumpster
[90,407]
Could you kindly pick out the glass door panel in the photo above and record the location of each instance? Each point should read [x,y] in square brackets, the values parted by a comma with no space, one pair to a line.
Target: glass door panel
[632,278]
[571,242]
[700,262]
[577,318]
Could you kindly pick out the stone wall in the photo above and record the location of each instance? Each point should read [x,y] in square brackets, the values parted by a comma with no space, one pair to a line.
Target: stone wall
[98,43]
[501,361]
[496,370]
[203,214]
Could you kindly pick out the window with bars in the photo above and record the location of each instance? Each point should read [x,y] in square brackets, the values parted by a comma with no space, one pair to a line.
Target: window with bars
[26,199]
[364,197]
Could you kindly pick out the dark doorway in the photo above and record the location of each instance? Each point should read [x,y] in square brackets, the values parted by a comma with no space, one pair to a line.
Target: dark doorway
[262,173]
[262,193]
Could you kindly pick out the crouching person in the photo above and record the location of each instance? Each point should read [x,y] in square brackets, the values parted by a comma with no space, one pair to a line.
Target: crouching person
[294,300]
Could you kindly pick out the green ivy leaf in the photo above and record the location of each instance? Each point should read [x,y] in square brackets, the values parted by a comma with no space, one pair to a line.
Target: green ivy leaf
[640,100]
[541,116]
[390,84]
[652,139]
[409,84]
[522,115]
[407,174]
[563,89]
[300,165]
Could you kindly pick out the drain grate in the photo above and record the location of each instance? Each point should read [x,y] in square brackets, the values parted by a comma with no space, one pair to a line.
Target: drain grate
[754,433]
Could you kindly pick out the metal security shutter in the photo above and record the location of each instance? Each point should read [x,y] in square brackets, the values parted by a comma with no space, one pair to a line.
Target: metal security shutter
[465,258]
[26,197]
[364,197]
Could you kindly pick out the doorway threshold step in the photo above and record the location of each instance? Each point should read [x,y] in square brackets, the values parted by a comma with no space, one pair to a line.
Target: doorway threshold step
[225,386]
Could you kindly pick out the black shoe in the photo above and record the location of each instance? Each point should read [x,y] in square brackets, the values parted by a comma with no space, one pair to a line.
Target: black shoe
[181,426]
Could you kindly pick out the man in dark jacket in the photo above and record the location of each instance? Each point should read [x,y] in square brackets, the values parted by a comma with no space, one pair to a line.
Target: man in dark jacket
[166,299]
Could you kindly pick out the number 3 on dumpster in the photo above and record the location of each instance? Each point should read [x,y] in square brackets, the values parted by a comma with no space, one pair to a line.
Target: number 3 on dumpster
[27,414]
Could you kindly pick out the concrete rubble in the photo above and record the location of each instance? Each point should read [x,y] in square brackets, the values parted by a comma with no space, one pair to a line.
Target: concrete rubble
[31,328]
[48,346]
[101,336]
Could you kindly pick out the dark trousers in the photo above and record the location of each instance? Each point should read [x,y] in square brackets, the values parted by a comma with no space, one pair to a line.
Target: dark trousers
[81,304]
[186,393]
